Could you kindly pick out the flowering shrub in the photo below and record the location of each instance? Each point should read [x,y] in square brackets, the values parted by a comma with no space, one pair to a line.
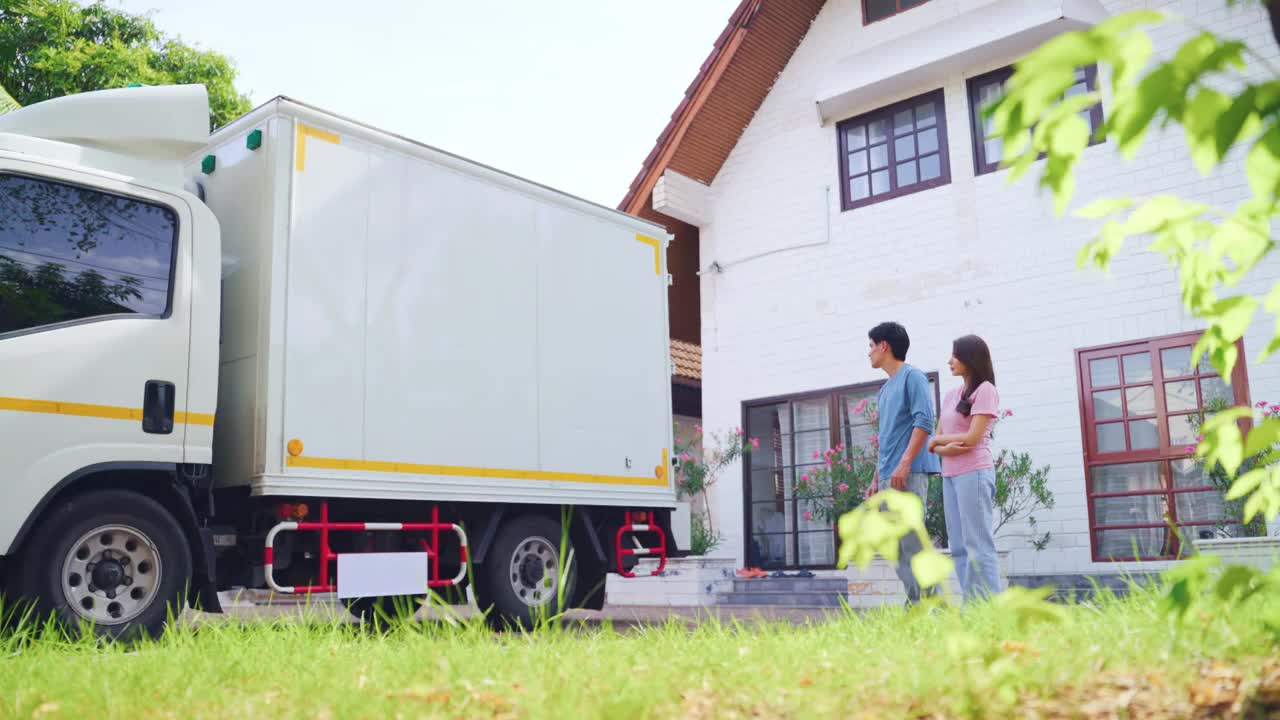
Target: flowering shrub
[1021,490]
[840,483]
[1218,476]
[695,474]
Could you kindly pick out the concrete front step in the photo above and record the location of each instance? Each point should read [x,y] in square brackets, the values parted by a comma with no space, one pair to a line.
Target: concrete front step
[792,585]
[764,598]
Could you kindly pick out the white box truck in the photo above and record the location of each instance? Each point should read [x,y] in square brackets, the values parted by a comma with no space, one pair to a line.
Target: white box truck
[308,355]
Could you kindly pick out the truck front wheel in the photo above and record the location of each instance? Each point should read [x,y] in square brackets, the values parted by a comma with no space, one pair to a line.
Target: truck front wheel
[524,578]
[112,558]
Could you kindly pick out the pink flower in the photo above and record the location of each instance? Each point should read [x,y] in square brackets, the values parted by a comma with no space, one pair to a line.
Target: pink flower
[1200,439]
[817,454]
[755,443]
[848,467]
[842,487]
[1191,449]
[684,457]
[1275,408]
[697,429]
[804,477]
[840,447]
[738,432]
[1261,403]
[808,515]
[860,407]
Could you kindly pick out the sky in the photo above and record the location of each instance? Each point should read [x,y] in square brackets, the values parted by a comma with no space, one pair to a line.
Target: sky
[568,93]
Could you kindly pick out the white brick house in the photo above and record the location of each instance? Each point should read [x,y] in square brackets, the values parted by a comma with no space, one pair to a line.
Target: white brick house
[789,259]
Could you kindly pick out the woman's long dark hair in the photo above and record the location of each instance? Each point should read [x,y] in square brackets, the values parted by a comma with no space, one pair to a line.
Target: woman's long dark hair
[972,352]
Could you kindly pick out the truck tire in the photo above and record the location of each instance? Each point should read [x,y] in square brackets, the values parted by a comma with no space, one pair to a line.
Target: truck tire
[520,575]
[113,558]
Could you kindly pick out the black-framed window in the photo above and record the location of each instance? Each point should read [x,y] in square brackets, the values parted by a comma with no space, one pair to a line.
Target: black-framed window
[794,432]
[894,151]
[873,10]
[70,254]
[988,148]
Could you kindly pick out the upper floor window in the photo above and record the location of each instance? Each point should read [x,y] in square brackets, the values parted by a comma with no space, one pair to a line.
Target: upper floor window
[873,10]
[894,151]
[988,148]
[69,253]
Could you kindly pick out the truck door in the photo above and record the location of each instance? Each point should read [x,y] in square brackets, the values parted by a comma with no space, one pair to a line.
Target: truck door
[95,298]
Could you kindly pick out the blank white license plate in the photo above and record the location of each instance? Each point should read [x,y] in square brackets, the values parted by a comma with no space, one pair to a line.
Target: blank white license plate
[379,574]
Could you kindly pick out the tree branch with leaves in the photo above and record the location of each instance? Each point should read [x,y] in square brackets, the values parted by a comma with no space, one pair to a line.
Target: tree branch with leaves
[52,48]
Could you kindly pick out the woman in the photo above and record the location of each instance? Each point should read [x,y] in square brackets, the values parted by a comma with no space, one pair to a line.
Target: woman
[968,470]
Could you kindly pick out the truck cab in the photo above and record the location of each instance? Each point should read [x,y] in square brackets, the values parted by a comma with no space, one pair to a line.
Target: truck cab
[109,297]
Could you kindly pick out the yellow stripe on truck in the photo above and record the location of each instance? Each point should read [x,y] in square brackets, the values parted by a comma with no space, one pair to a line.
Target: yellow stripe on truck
[305,131]
[316,463]
[657,251]
[105,412]
[190,418]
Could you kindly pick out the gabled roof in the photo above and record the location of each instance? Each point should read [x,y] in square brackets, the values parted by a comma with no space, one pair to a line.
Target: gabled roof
[733,81]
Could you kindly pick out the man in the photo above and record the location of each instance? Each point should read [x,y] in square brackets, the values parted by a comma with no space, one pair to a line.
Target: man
[906,422]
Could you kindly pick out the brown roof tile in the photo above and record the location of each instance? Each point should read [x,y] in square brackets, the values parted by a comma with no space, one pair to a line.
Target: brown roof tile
[686,360]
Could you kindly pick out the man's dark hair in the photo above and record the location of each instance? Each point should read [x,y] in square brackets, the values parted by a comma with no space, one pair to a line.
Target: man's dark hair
[895,335]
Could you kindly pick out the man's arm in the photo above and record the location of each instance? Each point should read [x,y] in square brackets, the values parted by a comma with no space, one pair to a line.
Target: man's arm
[900,473]
[922,422]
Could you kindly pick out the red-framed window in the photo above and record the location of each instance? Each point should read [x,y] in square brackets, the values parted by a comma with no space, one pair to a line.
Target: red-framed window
[988,148]
[874,10]
[1138,402]
[894,151]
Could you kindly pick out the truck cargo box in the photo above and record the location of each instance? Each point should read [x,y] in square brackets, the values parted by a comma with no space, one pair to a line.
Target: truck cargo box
[402,323]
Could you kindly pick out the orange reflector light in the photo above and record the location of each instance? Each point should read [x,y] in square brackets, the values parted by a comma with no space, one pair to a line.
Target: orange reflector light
[292,511]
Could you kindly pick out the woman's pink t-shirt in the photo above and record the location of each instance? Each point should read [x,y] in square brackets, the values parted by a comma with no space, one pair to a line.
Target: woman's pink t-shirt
[986,401]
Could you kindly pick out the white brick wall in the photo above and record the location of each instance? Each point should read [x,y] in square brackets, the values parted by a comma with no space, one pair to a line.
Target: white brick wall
[975,256]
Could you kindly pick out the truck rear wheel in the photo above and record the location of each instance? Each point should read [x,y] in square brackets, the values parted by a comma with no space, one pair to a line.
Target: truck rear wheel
[522,574]
[112,558]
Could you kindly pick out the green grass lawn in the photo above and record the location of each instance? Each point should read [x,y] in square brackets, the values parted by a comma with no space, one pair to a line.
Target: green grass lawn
[1114,658]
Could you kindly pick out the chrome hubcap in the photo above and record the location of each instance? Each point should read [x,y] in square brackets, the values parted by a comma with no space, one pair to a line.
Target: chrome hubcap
[535,572]
[111,574]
